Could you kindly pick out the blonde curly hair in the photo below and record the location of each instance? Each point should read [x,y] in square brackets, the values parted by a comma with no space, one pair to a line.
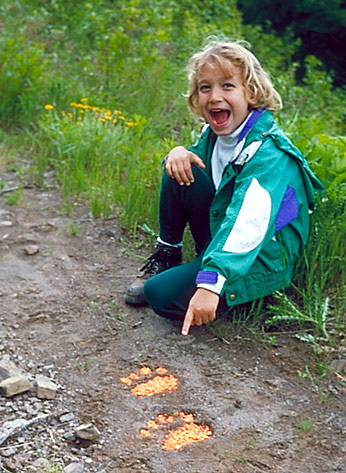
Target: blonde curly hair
[224,55]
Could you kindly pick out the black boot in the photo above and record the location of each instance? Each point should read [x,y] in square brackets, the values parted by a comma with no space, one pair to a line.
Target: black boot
[164,257]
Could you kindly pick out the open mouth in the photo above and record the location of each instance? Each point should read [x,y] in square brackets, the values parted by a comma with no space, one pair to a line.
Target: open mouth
[219,117]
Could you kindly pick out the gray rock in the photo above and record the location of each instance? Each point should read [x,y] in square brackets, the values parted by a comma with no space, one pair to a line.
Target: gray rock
[41,463]
[31,250]
[339,366]
[68,417]
[74,468]
[87,432]
[5,223]
[8,368]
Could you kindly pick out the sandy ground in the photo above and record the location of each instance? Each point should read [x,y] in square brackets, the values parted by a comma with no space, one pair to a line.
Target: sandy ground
[62,313]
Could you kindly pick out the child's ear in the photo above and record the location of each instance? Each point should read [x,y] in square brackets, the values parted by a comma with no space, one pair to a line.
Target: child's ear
[251,99]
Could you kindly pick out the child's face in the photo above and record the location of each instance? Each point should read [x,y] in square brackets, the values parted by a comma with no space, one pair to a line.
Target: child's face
[222,98]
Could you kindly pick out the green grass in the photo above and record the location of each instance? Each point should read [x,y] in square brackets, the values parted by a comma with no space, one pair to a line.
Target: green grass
[306,424]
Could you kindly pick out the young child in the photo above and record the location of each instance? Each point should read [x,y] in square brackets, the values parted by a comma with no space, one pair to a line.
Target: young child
[243,188]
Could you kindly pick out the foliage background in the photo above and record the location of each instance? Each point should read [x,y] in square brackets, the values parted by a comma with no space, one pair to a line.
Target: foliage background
[94,91]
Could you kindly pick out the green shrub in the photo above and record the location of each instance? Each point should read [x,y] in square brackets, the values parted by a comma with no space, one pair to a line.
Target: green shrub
[22,70]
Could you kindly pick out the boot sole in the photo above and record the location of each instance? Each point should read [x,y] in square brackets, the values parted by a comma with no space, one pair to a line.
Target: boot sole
[136,300]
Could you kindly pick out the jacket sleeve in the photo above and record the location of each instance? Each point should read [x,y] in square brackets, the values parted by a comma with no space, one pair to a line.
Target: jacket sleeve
[265,199]
[204,146]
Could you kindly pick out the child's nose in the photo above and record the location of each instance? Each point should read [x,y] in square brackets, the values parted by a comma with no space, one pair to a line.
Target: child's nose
[215,94]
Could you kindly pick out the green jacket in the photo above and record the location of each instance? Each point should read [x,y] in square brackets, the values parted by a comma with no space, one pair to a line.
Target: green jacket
[259,217]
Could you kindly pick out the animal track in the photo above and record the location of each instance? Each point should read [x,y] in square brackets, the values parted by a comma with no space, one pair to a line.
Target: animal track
[155,382]
[184,431]
[187,433]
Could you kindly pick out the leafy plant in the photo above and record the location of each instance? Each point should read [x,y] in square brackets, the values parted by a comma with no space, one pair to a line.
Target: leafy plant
[314,312]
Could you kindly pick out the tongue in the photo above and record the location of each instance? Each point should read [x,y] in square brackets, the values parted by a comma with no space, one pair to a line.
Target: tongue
[221,116]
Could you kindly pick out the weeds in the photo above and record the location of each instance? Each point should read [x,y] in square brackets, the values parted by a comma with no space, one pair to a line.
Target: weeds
[313,312]
[14,197]
[84,367]
[306,424]
[53,468]
[74,229]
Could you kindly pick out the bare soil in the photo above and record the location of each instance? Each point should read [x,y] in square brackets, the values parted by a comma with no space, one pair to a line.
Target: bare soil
[62,314]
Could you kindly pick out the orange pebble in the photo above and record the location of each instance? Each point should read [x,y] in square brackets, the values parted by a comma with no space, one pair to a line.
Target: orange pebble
[134,376]
[145,371]
[126,381]
[145,433]
[161,418]
[161,370]
[151,424]
[187,417]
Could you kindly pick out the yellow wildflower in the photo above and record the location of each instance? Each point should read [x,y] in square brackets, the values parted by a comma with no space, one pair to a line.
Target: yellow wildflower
[121,117]
[118,112]
[84,99]
[130,123]
[48,106]
[102,120]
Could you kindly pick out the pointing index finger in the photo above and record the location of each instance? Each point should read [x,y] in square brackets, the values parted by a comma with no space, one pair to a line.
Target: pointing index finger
[187,322]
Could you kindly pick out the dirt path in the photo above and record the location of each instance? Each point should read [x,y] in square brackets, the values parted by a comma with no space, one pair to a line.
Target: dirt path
[62,315]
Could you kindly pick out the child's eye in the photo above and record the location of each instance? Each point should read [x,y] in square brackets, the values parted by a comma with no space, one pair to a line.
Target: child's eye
[228,85]
[204,88]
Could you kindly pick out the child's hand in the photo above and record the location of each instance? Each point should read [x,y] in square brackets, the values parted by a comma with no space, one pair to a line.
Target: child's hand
[178,165]
[201,310]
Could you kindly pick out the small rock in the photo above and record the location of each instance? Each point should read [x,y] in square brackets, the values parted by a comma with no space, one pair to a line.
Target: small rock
[41,463]
[238,403]
[15,385]
[5,223]
[31,250]
[87,432]
[8,368]
[339,366]
[74,468]
[46,389]
[69,436]
[68,417]
[8,452]
[9,465]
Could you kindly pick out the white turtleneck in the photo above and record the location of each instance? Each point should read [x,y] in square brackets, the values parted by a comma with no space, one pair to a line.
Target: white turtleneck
[225,151]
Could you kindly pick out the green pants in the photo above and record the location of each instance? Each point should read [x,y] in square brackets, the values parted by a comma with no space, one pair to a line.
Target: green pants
[169,292]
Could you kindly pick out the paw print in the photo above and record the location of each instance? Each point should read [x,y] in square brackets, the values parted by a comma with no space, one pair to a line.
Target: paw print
[148,382]
[179,436]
